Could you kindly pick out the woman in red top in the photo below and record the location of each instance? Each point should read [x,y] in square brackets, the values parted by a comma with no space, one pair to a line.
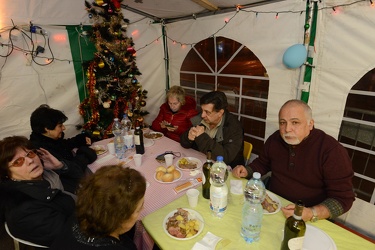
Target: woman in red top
[174,115]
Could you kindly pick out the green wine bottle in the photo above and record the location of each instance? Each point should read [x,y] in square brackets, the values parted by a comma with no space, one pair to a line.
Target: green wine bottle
[294,230]
[206,171]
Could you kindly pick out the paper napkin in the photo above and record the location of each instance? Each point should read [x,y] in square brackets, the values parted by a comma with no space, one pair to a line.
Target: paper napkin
[236,187]
[208,242]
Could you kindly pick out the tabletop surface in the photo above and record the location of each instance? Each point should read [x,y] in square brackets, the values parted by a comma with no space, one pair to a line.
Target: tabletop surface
[157,194]
[229,228]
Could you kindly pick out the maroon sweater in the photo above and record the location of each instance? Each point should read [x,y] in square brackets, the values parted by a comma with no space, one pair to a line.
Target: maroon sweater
[313,171]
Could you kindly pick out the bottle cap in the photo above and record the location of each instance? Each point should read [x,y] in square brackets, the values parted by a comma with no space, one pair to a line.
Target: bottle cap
[256,175]
[219,158]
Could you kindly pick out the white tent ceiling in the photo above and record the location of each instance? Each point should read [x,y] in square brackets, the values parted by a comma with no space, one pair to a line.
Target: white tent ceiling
[172,10]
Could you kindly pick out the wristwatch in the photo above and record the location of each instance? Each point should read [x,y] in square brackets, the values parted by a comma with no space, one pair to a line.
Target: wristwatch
[314,218]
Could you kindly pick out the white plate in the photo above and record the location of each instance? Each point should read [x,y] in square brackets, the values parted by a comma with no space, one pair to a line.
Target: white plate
[275,199]
[151,135]
[148,142]
[192,215]
[316,238]
[171,181]
[190,159]
[99,149]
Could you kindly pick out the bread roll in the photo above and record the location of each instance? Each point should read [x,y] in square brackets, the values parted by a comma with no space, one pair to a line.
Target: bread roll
[176,174]
[170,169]
[168,177]
[161,168]
[159,175]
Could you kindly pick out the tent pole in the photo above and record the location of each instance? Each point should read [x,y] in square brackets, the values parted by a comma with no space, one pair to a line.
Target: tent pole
[166,54]
[309,41]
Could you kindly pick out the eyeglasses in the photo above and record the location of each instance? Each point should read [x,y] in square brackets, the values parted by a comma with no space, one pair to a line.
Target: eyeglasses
[21,160]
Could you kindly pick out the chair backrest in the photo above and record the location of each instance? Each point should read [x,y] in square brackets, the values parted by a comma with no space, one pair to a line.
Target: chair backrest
[248,147]
[17,241]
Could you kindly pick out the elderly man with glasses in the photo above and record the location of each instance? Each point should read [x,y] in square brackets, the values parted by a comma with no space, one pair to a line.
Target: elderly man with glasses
[216,129]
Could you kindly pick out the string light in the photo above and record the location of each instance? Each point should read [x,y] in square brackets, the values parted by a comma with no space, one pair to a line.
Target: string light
[240,8]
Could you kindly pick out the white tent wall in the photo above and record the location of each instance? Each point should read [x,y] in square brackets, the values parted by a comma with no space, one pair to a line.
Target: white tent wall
[263,34]
[23,88]
[343,52]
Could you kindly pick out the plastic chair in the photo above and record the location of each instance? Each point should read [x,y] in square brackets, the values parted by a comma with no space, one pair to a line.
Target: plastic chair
[17,241]
[248,147]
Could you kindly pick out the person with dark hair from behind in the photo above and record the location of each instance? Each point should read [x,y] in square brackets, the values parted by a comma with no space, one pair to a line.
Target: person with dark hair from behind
[33,202]
[47,125]
[108,205]
[216,129]
[174,115]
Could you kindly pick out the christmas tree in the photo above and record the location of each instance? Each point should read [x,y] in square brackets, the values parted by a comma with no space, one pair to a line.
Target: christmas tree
[112,86]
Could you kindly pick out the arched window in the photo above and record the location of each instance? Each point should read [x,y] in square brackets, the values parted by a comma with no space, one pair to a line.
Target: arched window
[219,63]
[357,134]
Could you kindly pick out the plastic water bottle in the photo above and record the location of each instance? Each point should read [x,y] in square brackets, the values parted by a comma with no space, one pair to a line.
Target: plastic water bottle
[252,212]
[119,139]
[218,189]
[125,124]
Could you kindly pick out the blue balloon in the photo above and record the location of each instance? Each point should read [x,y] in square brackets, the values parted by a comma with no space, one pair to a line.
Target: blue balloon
[295,56]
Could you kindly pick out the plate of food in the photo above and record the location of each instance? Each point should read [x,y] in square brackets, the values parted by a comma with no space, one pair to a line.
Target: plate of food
[189,163]
[99,149]
[153,135]
[271,204]
[167,175]
[183,224]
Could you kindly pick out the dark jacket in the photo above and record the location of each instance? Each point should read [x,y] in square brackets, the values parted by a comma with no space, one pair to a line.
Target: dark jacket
[62,149]
[180,118]
[33,210]
[72,238]
[228,141]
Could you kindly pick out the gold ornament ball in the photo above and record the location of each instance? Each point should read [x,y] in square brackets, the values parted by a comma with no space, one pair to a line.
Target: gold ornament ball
[101,64]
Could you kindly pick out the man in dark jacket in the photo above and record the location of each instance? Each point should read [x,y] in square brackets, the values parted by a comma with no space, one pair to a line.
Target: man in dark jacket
[216,129]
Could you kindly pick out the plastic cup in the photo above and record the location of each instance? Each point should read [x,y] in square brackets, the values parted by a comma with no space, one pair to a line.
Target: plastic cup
[129,142]
[111,148]
[192,195]
[168,159]
[137,160]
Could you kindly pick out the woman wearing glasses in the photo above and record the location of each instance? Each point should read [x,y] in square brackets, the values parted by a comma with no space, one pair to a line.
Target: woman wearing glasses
[33,202]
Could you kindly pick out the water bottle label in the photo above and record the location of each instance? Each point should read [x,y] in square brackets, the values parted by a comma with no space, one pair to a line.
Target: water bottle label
[296,243]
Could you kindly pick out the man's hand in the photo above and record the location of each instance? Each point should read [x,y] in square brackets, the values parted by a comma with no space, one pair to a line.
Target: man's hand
[239,171]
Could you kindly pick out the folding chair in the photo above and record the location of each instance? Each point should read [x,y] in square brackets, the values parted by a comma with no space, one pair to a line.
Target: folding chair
[17,241]
[248,147]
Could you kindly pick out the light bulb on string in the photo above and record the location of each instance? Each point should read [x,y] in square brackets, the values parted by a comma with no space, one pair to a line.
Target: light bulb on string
[277,16]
